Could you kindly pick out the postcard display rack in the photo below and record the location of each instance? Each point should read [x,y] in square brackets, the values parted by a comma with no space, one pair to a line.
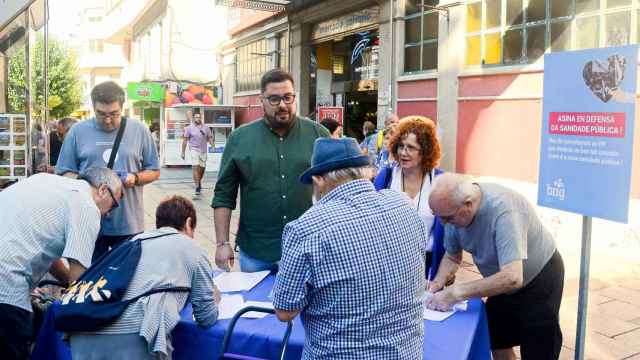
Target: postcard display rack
[13,147]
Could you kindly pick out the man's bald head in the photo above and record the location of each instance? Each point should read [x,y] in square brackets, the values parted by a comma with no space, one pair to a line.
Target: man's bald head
[391,119]
[452,198]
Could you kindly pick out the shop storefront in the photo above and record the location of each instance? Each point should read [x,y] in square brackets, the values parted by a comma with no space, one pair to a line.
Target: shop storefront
[345,67]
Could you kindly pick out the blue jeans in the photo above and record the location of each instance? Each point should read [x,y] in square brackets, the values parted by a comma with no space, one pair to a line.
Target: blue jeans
[249,264]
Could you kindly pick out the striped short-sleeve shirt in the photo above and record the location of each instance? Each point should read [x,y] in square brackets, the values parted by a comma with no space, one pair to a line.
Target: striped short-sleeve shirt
[167,261]
[44,217]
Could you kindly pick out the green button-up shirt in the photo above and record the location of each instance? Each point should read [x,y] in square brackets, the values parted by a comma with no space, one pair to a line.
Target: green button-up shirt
[267,168]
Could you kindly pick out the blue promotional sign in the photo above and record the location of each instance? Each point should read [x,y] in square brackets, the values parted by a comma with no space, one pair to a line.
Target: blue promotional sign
[587,131]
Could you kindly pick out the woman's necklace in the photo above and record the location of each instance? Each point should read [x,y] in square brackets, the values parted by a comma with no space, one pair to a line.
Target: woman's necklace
[419,192]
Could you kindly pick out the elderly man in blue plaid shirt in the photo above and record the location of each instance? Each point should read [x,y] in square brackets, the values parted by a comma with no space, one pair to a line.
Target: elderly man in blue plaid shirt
[353,264]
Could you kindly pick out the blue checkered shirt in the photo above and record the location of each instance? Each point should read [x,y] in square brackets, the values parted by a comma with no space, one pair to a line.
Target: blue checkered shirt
[354,265]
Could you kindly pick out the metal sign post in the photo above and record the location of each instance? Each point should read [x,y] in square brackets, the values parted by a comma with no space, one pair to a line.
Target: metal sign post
[583,296]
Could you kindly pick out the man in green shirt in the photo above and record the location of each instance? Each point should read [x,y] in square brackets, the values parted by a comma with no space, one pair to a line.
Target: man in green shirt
[264,159]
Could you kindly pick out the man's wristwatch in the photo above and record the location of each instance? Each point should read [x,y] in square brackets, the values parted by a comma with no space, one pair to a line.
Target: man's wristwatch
[223,244]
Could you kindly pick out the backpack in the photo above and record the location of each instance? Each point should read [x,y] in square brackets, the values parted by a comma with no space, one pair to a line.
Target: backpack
[96,298]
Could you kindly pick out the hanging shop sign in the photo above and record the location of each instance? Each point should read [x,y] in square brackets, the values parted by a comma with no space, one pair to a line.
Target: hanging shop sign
[332,112]
[145,91]
[347,23]
[189,94]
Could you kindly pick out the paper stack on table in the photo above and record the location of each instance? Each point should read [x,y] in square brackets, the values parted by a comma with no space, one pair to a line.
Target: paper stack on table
[238,281]
[434,315]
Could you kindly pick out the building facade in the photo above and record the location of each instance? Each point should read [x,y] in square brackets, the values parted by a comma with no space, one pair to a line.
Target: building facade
[475,67]
[99,61]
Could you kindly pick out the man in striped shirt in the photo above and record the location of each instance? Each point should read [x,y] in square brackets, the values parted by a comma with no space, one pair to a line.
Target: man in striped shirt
[45,218]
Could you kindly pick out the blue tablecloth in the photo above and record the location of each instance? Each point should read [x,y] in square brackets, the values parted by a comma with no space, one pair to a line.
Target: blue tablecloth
[462,336]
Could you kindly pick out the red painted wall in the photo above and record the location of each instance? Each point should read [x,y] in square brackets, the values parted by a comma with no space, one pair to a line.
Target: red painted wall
[525,84]
[419,89]
[251,111]
[423,108]
[499,138]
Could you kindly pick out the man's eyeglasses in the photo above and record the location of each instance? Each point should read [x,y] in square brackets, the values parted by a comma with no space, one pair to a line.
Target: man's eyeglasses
[116,203]
[274,100]
[449,218]
[104,115]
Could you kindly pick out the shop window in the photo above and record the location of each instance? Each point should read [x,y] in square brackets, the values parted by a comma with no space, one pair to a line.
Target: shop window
[251,64]
[589,32]
[618,28]
[504,32]
[560,8]
[560,36]
[421,36]
[513,40]
[473,50]
[536,11]
[492,20]
[514,13]
[492,48]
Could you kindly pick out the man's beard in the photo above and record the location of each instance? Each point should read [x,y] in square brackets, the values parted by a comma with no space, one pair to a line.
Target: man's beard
[278,124]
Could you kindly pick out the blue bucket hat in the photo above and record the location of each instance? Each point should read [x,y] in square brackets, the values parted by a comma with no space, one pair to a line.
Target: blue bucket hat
[332,154]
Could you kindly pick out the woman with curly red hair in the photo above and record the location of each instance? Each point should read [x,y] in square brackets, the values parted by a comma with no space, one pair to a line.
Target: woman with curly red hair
[415,147]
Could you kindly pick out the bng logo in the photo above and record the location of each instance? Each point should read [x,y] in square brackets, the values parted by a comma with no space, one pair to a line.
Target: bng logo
[556,190]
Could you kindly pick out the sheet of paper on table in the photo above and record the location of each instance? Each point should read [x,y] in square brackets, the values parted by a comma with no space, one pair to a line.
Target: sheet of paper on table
[229,305]
[238,281]
[255,314]
[434,315]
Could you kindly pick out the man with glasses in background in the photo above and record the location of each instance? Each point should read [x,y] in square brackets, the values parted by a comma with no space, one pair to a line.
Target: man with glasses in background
[90,143]
[45,218]
[197,135]
[264,160]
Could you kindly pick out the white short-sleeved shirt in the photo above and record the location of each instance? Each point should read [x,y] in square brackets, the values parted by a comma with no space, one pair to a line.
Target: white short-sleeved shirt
[44,217]
[420,202]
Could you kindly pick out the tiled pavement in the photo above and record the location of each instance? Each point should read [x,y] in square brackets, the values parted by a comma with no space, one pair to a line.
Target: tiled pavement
[614,296]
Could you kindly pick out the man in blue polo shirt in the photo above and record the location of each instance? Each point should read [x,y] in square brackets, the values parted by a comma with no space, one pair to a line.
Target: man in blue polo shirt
[353,264]
[89,143]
